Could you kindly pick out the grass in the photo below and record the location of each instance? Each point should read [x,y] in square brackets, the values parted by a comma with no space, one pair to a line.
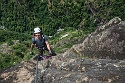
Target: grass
[62,43]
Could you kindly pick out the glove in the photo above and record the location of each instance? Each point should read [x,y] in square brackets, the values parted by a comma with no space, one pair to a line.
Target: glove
[31,53]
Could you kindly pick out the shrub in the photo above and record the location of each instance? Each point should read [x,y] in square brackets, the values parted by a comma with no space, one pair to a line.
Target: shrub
[10,42]
[6,61]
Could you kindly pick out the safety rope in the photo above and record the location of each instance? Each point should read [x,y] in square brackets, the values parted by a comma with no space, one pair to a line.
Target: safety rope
[36,70]
[42,68]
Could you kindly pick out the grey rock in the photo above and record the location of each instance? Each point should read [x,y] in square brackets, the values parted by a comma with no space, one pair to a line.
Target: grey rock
[108,41]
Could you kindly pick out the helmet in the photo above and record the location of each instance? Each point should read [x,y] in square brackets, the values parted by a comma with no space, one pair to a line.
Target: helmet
[37,30]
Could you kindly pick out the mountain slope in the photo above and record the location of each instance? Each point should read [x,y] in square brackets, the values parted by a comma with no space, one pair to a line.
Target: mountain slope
[70,67]
[68,70]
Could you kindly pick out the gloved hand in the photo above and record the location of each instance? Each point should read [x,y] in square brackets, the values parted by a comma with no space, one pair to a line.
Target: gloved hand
[31,53]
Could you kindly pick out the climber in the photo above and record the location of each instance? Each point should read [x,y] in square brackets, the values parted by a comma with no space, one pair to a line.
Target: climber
[41,42]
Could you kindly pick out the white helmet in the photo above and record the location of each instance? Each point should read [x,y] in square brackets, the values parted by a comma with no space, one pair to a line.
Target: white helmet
[37,30]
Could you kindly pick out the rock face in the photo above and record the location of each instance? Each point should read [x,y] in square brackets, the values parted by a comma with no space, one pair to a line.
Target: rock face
[67,70]
[107,41]
[22,73]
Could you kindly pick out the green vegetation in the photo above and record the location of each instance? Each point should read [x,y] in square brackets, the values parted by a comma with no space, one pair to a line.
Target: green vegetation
[50,15]
[18,46]
[77,17]
[10,42]
[6,61]
[18,53]
[64,40]
[11,35]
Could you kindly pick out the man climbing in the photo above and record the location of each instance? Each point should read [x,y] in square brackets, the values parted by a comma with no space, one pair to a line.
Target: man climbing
[41,42]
